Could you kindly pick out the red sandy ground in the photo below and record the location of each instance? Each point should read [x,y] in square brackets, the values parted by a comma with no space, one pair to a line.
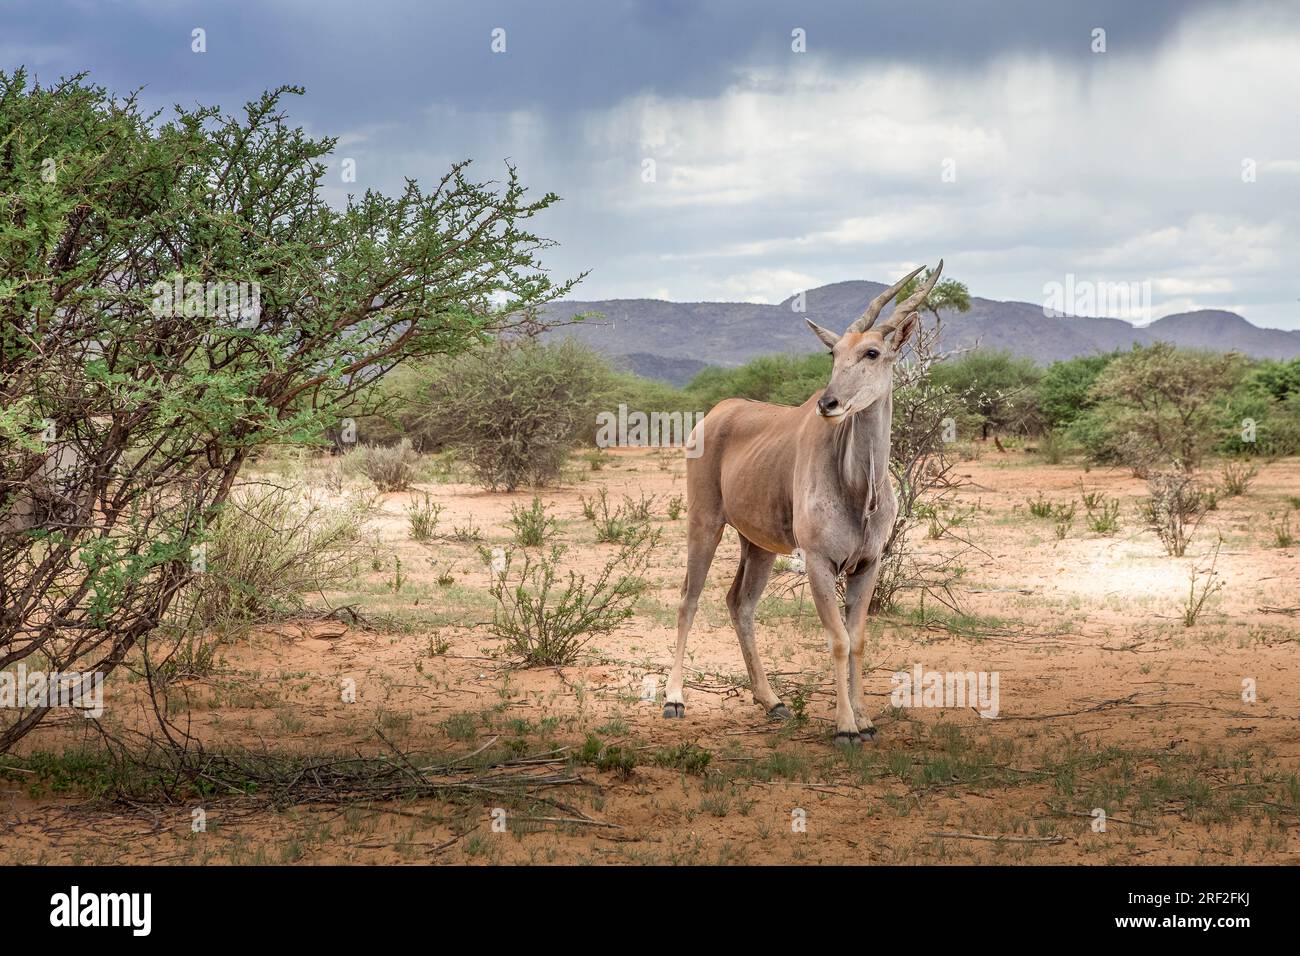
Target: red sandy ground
[1107,700]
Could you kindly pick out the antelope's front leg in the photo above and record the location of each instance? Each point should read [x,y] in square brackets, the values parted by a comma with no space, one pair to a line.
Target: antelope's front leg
[821,577]
[858,589]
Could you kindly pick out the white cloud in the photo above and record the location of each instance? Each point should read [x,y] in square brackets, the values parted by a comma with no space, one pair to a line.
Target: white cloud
[764,285]
[1123,167]
[1174,286]
[1127,166]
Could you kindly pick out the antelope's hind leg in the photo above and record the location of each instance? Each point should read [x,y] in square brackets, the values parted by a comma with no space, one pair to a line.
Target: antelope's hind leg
[702,537]
[751,577]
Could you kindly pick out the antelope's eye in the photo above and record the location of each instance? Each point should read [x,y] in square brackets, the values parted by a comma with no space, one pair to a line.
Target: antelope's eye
[873,353]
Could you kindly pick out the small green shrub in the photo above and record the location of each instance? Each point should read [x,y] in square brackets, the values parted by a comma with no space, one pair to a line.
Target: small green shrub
[390,467]
[1064,520]
[619,525]
[1040,507]
[1237,476]
[512,412]
[423,517]
[268,551]
[609,757]
[1172,509]
[547,617]
[688,757]
[532,526]
[468,533]
[640,511]
[1103,512]
[1281,529]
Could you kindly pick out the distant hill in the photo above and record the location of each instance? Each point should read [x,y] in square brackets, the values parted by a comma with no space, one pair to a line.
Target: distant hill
[663,367]
[672,341]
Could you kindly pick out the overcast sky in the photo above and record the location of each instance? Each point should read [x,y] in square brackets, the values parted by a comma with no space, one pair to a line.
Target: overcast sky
[990,134]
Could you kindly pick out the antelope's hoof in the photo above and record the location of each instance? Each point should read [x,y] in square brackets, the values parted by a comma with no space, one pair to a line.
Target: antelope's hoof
[868,735]
[780,712]
[847,740]
[674,710]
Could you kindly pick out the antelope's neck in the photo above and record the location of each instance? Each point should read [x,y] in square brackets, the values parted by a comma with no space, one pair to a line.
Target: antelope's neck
[863,452]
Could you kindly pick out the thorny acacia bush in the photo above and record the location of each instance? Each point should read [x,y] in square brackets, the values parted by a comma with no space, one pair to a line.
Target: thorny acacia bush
[513,411]
[546,616]
[924,413]
[124,419]
[1158,406]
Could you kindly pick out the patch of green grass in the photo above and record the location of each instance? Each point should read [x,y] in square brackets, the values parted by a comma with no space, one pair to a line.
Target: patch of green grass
[614,758]
[614,727]
[1283,537]
[463,727]
[938,617]
[87,771]
[781,765]
[687,757]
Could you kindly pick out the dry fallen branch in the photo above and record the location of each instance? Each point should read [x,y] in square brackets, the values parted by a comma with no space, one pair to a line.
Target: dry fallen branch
[954,835]
[576,821]
[262,779]
[1104,705]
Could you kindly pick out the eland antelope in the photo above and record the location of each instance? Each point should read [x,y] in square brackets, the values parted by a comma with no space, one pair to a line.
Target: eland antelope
[813,478]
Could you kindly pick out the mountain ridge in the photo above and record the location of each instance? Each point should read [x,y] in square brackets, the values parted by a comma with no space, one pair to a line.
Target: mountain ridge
[671,341]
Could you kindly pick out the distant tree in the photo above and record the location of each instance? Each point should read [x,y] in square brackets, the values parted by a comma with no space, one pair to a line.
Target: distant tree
[1159,405]
[649,395]
[783,379]
[513,411]
[997,388]
[948,295]
[1064,391]
[1276,380]
[1263,413]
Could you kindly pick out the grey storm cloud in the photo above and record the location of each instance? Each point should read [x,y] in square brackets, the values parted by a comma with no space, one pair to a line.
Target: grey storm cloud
[379,59]
[989,133]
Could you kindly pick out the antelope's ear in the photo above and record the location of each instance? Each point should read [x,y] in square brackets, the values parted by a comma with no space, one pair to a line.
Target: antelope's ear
[903,331]
[826,335]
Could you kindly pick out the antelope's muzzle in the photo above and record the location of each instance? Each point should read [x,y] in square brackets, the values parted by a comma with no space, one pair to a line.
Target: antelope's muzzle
[828,407]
